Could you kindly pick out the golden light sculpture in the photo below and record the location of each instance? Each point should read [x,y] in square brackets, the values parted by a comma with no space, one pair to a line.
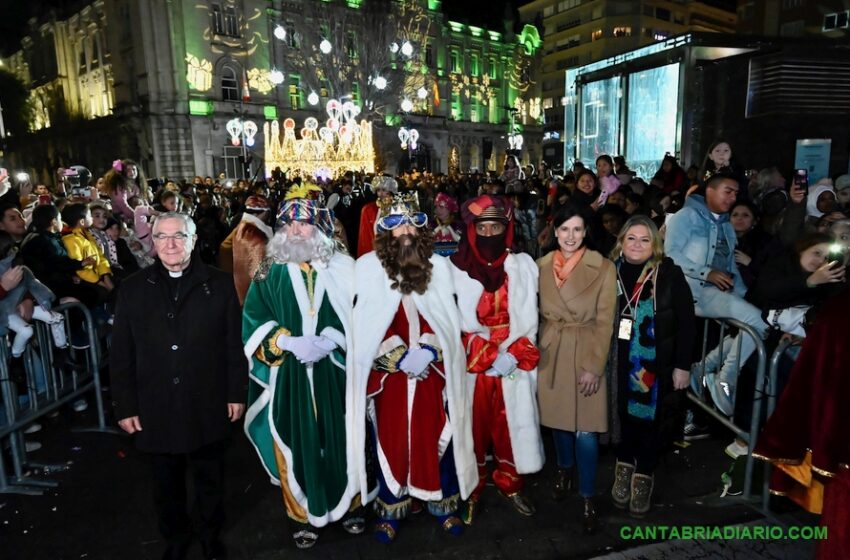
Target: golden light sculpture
[198,73]
[323,152]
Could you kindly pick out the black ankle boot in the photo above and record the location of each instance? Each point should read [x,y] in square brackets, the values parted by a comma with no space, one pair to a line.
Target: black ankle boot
[588,517]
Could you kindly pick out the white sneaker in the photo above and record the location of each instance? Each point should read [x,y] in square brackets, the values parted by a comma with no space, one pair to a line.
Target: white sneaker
[32,428]
[80,405]
[58,332]
[31,446]
[736,450]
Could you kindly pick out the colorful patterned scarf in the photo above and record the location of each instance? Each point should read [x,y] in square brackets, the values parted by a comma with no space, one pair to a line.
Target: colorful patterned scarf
[642,387]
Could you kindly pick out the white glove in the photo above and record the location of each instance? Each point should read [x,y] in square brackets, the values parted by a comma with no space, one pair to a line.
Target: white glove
[503,366]
[416,361]
[325,344]
[304,348]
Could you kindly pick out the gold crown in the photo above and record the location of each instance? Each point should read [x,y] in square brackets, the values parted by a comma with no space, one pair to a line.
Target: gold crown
[399,204]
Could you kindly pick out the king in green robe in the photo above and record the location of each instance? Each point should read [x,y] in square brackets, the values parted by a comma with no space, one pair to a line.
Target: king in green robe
[301,418]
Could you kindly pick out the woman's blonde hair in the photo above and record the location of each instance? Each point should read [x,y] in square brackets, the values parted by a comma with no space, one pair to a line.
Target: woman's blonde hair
[654,236]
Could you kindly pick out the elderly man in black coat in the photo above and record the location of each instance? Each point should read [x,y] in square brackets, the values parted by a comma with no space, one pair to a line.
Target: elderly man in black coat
[179,379]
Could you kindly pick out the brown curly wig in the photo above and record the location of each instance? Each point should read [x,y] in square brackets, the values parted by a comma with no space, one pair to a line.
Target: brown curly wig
[409,266]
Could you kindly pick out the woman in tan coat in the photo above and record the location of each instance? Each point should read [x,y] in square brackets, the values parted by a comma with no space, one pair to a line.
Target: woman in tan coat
[578,294]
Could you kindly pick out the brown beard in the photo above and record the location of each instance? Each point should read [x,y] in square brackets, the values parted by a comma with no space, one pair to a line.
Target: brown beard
[409,266]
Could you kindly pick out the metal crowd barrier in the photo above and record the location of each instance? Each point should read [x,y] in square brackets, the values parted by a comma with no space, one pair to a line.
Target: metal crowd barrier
[750,435]
[60,388]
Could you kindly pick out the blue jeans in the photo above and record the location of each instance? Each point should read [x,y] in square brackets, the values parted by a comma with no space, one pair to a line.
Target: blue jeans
[583,446]
[713,303]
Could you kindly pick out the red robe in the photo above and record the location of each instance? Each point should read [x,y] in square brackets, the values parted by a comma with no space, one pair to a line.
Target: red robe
[806,437]
[366,237]
[412,426]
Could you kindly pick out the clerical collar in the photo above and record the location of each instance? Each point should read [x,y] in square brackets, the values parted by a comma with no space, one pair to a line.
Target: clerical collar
[177,274]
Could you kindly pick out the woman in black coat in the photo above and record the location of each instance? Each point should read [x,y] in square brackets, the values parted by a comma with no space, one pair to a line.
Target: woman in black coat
[654,331]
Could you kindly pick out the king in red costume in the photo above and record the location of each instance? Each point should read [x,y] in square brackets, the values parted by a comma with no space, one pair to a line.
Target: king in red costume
[497,297]
[410,372]
[806,437]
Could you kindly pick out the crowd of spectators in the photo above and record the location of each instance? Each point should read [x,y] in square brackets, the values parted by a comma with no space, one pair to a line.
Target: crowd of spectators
[752,244]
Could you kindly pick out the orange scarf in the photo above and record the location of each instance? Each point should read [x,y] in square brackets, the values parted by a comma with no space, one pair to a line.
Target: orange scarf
[563,267]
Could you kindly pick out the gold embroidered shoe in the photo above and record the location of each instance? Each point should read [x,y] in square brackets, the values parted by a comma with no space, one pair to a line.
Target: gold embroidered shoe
[468,511]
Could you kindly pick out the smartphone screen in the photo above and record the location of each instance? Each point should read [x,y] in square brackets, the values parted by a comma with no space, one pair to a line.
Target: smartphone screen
[801,179]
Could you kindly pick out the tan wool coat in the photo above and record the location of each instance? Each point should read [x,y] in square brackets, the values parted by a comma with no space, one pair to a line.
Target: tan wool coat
[575,336]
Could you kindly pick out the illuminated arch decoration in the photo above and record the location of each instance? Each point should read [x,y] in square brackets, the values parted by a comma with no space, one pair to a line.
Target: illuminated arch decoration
[530,39]
[323,150]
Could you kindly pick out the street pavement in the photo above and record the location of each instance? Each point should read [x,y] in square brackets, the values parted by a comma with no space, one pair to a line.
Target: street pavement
[102,509]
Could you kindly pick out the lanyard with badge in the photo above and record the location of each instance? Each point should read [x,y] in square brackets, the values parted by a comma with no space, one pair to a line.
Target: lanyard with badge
[627,316]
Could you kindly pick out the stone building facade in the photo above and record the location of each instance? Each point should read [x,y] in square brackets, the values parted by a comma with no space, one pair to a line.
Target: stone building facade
[158,80]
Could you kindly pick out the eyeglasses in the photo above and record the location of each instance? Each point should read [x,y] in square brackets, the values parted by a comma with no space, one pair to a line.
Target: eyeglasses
[389,223]
[179,238]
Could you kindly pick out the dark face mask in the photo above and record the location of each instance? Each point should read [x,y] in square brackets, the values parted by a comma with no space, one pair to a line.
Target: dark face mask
[490,248]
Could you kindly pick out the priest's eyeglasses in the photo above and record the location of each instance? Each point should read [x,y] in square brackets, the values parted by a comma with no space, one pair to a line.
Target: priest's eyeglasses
[179,237]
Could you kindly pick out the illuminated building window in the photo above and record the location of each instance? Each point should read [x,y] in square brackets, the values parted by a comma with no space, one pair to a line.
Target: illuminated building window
[295,100]
[323,89]
[473,65]
[225,21]
[231,22]
[622,32]
[355,92]
[455,60]
[494,70]
[473,112]
[548,103]
[596,35]
[351,46]
[229,84]
[835,21]
[457,110]
[292,36]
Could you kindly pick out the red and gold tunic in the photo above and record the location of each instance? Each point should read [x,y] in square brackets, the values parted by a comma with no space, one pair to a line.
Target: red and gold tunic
[411,424]
[489,418]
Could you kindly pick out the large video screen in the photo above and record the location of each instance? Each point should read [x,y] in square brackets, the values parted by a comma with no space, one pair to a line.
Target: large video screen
[653,107]
[599,108]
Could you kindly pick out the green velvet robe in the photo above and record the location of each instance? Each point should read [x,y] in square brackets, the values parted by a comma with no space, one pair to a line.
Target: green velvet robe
[302,411]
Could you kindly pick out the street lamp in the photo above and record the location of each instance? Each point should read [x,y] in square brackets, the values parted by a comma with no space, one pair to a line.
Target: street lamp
[393,47]
[406,49]
[280,32]
[313,98]
[325,46]
[422,93]
[380,82]
[407,105]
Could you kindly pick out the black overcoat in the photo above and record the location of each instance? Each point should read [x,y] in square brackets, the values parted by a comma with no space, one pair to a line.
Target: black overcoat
[176,365]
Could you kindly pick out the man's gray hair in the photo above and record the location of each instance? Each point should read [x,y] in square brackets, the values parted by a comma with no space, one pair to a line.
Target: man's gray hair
[188,223]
